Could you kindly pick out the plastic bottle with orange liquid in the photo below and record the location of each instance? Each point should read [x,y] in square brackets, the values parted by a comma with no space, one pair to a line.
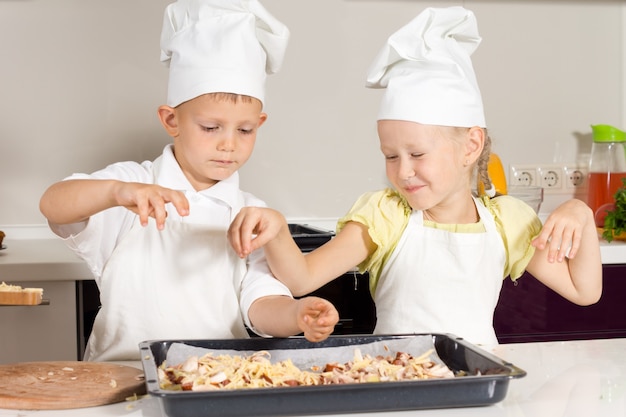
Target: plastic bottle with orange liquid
[607,167]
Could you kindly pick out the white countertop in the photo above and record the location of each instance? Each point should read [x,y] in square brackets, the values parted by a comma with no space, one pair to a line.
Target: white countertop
[44,259]
[569,379]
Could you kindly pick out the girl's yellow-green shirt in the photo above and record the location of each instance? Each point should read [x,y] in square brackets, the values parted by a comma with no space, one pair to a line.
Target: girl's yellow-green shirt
[386,214]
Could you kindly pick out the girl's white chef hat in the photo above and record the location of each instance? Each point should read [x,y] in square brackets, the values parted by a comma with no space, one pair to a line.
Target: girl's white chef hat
[427,70]
[224,46]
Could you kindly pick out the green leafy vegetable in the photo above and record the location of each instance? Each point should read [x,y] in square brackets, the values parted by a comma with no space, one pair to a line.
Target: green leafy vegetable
[615,220]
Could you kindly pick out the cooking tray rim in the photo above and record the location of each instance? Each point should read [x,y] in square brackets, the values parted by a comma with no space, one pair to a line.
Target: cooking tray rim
[174,400]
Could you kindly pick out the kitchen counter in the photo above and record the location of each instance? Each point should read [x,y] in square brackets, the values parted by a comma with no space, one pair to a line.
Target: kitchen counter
[47,259]
[574,378]
[613,253]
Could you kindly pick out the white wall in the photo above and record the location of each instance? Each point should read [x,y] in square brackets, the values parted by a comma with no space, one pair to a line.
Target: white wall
[80,82]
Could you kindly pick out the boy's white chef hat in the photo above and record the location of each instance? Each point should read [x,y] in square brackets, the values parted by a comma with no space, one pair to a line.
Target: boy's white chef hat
[224,46]
[427,70]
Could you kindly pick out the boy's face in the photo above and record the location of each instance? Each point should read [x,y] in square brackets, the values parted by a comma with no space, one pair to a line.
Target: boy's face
[213,136]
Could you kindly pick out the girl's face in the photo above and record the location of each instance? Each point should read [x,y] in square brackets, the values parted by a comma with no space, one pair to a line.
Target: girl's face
[429,165]
[213,136]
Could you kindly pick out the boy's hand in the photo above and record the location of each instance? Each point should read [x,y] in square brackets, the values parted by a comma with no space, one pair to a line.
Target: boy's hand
[253,227]
[316,318]
[563,230]
[149,200]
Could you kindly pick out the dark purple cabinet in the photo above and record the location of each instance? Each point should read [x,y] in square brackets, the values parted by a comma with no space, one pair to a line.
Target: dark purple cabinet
[526,312]
[529,311]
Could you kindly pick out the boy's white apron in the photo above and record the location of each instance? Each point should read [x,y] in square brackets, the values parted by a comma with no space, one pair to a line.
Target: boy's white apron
[441,282]
[142,296]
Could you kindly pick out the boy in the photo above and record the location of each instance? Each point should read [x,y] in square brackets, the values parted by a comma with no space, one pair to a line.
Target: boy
[182,280]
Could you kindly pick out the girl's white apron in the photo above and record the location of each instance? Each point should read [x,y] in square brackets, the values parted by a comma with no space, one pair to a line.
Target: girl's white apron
[441,282]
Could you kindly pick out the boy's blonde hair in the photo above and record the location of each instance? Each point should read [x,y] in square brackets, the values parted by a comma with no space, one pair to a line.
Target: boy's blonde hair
[233,97]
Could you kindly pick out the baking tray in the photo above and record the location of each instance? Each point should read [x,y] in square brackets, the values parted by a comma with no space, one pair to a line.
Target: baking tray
[489,387]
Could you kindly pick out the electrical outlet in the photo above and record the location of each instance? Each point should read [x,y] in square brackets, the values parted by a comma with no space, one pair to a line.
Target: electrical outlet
[575,177]
[523,175]
[554,179]
[551,178]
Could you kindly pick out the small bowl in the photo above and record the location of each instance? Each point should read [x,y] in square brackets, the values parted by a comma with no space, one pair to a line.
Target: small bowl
[531,195]
[620,237]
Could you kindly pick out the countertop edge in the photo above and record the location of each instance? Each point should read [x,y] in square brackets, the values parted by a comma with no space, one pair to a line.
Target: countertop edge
[34,253]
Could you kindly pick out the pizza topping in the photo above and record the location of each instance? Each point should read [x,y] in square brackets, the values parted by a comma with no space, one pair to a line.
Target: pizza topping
[210,372]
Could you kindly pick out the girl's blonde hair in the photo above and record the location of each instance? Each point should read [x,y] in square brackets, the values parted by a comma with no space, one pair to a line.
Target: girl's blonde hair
[482,163]
[481,166]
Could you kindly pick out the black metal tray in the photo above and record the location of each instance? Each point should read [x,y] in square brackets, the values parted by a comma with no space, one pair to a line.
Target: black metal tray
[487,387]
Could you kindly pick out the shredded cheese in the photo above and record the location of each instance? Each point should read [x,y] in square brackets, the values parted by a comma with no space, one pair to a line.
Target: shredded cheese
[211,372]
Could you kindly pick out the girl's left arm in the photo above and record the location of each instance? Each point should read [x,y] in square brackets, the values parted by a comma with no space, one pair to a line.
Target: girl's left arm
[567,254]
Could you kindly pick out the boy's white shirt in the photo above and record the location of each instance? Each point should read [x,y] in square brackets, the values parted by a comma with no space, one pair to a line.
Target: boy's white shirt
[442,282]
[202,311]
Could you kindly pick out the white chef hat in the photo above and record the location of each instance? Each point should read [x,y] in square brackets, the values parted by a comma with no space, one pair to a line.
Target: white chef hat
[427,70]
[226,46]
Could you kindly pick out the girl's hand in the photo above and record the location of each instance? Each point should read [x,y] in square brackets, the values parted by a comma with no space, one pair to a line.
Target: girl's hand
[316,318]
[149,200]
[253,227]
[563,230]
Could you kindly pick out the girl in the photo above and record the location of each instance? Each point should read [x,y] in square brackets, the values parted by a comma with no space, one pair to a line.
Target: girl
[436,254]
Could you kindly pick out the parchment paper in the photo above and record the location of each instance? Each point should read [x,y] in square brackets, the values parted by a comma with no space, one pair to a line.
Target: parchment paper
[306,359]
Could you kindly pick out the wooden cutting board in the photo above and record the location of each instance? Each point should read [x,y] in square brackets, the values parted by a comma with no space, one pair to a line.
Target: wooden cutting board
[22,298]
[67,384]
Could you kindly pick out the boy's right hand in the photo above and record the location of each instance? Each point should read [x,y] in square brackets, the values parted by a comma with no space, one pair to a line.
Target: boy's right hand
[253,227]
[149,200]
[317,318]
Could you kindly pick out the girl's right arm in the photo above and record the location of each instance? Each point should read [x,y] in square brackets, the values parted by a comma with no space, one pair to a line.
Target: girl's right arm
[256,227]
[74,201]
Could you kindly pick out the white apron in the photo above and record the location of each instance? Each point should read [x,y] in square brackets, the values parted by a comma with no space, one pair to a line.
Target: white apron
[181,282]
[441,282]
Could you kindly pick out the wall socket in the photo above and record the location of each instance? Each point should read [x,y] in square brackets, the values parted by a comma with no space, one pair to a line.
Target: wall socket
[575,177]
[553,178]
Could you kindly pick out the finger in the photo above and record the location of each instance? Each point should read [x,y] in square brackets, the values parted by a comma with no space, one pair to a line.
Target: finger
[317,307]
[571,238]
[144,210]
[315,336]
[311,315]
[326,318]
[554,244]
[254,234]
[543,238]
[234,236]
[576,241]
[180,202]
[566,243]
[246,232]
[159,213]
